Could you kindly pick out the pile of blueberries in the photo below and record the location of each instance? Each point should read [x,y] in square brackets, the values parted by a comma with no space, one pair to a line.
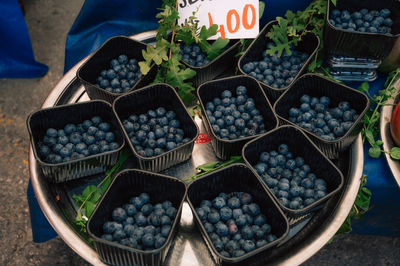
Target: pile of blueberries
[193,55]
[154,132]
[121,76]
[140,224]
[235,224]
[289,178]
[315,116]
[77,141]
[234,117]
[277,72]
[373,21]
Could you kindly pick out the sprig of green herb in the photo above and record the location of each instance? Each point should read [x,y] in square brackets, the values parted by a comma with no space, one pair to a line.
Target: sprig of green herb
[370,130]
[166,56]
[92,194]
[211,167]
[294,26]
[360,207]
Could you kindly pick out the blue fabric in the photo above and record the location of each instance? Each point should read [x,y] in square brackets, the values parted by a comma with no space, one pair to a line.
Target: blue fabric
[278,8]
[16,54]
[41,229]
[99,20]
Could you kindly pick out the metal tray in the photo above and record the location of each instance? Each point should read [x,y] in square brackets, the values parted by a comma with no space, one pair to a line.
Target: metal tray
[303,241]
[384,128]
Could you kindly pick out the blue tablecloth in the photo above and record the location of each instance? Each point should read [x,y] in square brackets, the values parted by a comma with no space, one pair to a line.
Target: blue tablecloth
[16,54]
[100,19]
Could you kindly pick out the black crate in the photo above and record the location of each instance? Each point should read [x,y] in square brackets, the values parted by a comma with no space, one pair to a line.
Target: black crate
[127,184]
[100,60]
[318,86]
[224,149]
[152,97]
[299,145]
[217,66]
[57,117]
[236,178]
[361,44]
[309,44]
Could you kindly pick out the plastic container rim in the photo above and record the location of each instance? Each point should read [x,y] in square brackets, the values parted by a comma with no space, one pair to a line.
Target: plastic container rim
[314,135]
[204,233]
[315,203]
[208,121]
[93,156]
[94,54]
[127,136]
[118,245]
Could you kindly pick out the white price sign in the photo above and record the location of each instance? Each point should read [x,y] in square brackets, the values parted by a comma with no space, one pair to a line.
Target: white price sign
[236,19]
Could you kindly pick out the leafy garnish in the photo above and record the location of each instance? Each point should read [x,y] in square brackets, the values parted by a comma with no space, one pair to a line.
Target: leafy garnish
[212,166]
[165,54]
[92,194]
[370,130]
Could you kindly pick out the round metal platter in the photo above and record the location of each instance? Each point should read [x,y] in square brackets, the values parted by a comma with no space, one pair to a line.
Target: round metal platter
[388,144]
[305,238]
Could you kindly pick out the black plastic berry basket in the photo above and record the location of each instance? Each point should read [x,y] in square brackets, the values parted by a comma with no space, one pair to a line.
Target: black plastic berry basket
[299,145]
[152,97]
[362,44]
[100,60]
[309,44]
[224,149]
[318,86]
[57,117]
[235,178]
[127,184]
[217,66]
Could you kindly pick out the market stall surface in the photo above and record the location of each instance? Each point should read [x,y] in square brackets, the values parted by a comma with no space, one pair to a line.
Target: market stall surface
[48,23]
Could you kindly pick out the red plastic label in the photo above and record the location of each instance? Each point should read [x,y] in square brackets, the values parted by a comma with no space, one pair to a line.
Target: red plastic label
[203,138]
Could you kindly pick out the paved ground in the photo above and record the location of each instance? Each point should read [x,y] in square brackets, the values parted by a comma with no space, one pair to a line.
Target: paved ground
[48,23]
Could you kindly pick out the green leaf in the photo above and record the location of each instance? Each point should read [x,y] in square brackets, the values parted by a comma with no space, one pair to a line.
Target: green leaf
[333,2]
[206,33]
[152,54]
[395,153]
[95,196]
[370,136]
[208,166]
[261,8]
[379,142]
[346,227]
[89,208]
[374,152]
[364,87]
[88,190]
[106,184]
[215,49]
[177,77]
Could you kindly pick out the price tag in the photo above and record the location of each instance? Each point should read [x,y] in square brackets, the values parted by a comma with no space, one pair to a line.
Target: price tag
[236,19]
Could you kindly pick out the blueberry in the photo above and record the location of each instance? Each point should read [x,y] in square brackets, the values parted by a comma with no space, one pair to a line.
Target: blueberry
[119,214]
[245,198]
[249,246]
[221,229]
[218,202]
[109,227]
[107,237]
[226,94]
[247,232]
[148,240]
[118,235]
[165,229]
[225,213]
[238,253]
